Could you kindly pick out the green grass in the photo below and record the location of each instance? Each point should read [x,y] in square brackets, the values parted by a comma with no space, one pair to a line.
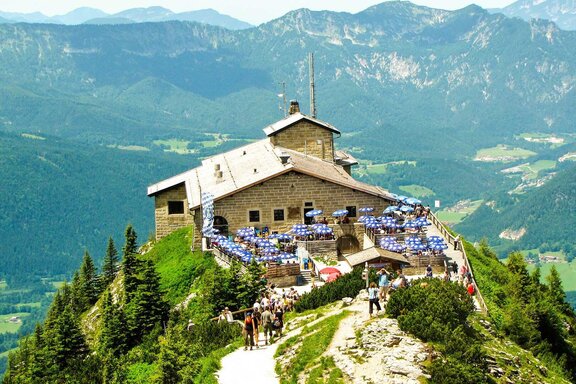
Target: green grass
[503,153]
[7,327]
[177,265]
[3,284]
[325,372]
[57,284]
[35,304]
[31,136]
[314,342]
[532,171]
[138,148]
[417,190]
[175,145]
[454,215]
[140,373]
[451,217]
[377,169]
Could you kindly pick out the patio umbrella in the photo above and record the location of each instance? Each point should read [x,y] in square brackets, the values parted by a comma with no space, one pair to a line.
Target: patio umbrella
[406,208]
[390,209]
[374,225]
[365,218]
[434,238]
[437,246]
[299,226]
[412,201]
[332,277]
[287,255]
[330,270]
[314,212]
[323,230]
[366,209]
[284,237]
[340,213]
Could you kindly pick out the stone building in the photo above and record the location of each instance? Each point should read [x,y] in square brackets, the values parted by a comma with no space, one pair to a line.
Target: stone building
[269,183]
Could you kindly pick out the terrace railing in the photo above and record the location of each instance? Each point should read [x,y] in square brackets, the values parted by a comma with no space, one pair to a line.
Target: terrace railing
[451,240]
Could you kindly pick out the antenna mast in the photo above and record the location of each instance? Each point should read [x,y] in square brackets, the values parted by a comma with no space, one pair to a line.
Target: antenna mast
[284,106]
[312,97]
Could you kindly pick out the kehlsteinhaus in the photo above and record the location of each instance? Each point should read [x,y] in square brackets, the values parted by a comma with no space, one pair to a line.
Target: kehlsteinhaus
[272,184]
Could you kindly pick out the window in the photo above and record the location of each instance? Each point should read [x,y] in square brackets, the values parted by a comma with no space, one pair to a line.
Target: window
[175,207]
[254,216]
[351,210]
[308,204]
[279,214]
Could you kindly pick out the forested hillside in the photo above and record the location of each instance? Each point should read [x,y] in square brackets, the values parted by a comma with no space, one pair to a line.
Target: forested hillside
[546,214]
[61,198]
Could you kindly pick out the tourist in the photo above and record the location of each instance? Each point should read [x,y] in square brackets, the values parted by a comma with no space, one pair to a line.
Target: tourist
[278,322]
[456,242]
[190,326]
[324,220]
[256,320]
[228,315]
[470,288]
[429,271]
[267,324]
[248,331]
[454,267]
[373,299]
[383,284]
[446,276]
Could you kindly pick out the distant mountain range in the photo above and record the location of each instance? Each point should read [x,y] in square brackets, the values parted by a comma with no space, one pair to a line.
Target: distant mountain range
[408,85]
[561,12]
[86,15]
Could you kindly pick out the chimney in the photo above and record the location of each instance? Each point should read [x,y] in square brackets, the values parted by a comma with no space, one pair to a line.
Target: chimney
[219,175]
[284,157]
[294,107]
[217,169]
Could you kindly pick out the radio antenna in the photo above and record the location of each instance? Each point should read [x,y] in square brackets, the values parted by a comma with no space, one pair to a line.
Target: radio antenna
[312,96]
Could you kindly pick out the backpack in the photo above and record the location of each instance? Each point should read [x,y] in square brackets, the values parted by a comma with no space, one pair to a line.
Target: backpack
[277,323]
[248,322]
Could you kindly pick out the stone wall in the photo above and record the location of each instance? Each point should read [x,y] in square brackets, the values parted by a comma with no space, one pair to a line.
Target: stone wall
[306,137]
[289,192]
[165,223]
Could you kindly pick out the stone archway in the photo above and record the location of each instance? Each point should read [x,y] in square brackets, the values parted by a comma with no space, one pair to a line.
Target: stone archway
[221,224]
[347,244]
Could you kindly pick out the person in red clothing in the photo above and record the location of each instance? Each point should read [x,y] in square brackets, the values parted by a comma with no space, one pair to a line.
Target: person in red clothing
[470,288]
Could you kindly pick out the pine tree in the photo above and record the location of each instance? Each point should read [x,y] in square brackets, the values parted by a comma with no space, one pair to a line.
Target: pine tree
[130,264]
[113,336]
[147,307]
[556,292]
[110,267]
[89,280]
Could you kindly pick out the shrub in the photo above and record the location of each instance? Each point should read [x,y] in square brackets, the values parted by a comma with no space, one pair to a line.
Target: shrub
[431,311]
[346,286]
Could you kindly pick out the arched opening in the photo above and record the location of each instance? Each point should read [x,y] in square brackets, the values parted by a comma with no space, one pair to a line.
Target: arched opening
[347,244]
[221,224]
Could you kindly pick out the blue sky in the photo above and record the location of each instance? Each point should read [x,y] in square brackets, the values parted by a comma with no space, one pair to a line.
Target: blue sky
[252,11]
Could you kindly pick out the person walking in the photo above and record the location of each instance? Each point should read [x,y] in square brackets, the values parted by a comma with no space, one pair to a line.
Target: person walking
[256,320]
[248,331]
[373,299]
[267,318]
[383,284]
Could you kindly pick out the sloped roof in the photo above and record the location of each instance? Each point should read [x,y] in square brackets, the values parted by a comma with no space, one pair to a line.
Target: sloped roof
[255,163]
[293,119]
[359,258]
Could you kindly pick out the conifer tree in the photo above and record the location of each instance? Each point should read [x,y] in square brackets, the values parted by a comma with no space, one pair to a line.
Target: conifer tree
[147,307]
[89,280]
[556,292]
[110,266]
[113,336]
[130,264]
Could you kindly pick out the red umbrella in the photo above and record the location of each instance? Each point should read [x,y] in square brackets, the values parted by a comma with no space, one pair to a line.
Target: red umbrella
[332,277]
[329,271]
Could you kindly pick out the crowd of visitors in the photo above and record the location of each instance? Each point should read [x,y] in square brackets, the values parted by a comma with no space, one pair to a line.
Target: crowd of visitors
[266,316]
